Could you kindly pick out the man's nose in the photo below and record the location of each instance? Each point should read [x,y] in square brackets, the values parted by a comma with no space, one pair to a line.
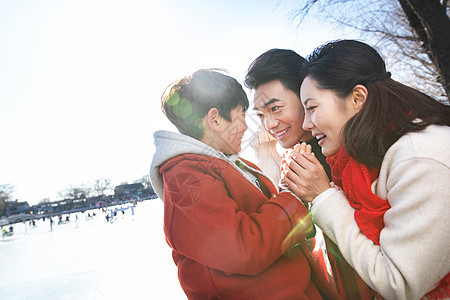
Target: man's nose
[270,123]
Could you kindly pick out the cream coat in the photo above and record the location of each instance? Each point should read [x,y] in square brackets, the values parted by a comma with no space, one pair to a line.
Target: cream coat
[414,251]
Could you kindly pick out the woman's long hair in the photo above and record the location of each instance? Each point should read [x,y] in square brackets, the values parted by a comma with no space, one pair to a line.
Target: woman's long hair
[391,109]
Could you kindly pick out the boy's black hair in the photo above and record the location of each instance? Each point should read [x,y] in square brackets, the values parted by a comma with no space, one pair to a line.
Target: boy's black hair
[276,64]
[187,101]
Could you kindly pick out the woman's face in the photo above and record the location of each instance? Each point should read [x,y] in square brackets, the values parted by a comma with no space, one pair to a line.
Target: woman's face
[325,115]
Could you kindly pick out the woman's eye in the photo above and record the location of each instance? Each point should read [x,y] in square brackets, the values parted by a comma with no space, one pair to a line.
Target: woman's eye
[311,108]
[260,116]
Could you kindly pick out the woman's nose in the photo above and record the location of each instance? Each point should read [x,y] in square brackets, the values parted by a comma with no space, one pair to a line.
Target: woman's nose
[307,124]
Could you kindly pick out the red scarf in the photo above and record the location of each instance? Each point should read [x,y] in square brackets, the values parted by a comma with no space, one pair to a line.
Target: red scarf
[355,179]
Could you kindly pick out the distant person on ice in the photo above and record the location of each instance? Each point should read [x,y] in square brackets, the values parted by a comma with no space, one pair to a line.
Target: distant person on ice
[233,235]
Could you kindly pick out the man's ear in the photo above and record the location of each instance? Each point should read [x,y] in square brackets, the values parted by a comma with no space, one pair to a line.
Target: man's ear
[359,96]
[213,119]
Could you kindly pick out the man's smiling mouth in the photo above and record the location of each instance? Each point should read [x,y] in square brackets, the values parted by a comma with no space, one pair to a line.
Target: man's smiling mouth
[281,133]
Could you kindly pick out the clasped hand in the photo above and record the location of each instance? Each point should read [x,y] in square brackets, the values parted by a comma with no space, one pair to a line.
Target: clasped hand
[303,173]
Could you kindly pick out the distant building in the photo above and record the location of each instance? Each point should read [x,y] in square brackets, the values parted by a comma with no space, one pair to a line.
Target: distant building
[16,207]
[129,190]
[2,207]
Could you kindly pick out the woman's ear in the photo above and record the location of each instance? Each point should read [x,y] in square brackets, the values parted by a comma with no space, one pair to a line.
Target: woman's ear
[213,119]
[359,94]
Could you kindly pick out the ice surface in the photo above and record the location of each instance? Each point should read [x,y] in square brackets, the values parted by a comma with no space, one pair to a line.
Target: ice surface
[90,258]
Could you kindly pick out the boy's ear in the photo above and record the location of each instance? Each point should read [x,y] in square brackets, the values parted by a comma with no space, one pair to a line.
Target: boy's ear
[213,119]
[359,96]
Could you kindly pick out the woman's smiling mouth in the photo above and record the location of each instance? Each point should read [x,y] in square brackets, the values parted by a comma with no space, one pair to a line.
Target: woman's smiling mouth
[320,138]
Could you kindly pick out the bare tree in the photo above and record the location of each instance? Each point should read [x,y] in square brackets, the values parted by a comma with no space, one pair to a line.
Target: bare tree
[76,192]
[414,35]
[44,200]
[431,24]
[101,186]
[6,191]
[145,180]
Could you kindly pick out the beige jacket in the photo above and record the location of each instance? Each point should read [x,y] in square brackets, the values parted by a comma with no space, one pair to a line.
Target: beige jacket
[414,254]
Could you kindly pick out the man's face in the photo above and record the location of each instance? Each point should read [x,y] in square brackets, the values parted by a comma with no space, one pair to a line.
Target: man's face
[281,113]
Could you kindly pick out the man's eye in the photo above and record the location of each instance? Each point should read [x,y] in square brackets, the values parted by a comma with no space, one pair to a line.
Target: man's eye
[275,108]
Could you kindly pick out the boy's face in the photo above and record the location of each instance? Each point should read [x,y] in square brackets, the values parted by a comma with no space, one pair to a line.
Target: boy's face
[281,113]
[229,139]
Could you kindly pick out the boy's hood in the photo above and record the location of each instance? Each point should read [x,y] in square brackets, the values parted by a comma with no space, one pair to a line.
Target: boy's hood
[169,145]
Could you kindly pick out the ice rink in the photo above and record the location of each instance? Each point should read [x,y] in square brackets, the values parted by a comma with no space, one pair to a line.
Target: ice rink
[89,258]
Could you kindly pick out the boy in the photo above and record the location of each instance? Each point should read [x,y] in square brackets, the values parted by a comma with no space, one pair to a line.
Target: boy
[232,234]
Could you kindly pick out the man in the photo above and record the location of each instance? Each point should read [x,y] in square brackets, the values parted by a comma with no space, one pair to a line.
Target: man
[275,76]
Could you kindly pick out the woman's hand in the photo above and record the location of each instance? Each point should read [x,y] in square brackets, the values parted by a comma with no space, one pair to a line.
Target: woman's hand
[303,173]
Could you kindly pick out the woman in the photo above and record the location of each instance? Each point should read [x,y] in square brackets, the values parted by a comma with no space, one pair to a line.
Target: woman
[388,148]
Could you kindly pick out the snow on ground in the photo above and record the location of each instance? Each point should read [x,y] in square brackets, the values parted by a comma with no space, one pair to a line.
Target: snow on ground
[89,258]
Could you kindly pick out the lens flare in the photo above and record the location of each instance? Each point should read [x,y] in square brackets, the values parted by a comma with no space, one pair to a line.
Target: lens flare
[303,227]
[181,107]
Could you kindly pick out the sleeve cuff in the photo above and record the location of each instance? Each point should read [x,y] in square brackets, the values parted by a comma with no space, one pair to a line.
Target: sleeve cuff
[321,197]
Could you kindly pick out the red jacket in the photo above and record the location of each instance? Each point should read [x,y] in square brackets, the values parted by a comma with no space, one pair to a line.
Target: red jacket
[227,236]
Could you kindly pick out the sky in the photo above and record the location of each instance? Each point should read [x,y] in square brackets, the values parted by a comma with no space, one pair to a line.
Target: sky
[81,81]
